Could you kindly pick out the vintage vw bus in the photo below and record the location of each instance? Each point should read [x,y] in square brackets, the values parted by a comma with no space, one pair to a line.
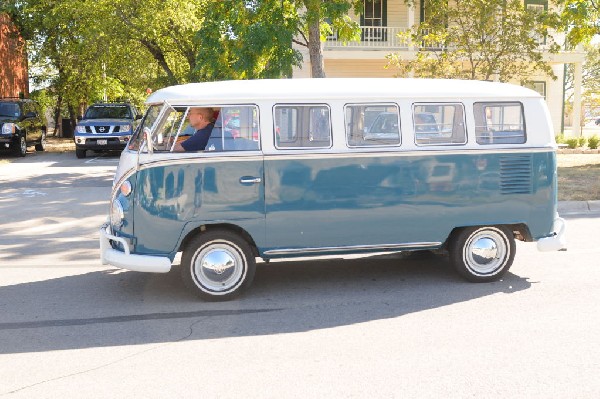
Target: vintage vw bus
[299,168]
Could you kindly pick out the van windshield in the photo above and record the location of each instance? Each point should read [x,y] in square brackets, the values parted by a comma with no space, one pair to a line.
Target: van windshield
[148,121]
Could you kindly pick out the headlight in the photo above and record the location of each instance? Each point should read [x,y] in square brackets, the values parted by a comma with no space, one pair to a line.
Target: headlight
[126,188]
[80,129]
[124,128]
[8,128]
[116,213]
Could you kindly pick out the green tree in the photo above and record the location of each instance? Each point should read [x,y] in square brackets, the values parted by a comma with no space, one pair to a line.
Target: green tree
[244,39]
[86,50]
[479,39]
[581,20]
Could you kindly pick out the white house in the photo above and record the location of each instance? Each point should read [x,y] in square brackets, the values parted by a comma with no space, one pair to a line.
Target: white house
[382,20]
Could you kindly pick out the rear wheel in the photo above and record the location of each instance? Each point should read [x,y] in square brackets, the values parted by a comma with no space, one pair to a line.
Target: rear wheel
[41,146]
[482,254]
[217,265]
[80,153]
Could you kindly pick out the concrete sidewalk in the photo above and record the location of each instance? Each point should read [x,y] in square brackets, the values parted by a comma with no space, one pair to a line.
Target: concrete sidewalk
[578,207]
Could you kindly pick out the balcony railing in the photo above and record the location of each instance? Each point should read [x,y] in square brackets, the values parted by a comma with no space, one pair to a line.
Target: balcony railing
[372,37]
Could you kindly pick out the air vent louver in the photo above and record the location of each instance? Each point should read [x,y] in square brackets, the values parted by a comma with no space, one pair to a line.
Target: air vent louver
[515,174]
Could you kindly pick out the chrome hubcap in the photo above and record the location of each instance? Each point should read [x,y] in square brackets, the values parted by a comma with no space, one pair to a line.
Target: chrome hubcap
[218,267]
[486,252]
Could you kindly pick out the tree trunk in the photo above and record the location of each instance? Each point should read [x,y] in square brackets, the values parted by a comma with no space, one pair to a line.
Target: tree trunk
[57,121]
[317,66]
[73,116]
[159,56]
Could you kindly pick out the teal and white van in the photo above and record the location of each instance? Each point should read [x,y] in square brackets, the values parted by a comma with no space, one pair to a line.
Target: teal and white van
[309,167]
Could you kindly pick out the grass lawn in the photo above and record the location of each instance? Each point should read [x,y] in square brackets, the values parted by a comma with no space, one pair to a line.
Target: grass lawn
[578,177]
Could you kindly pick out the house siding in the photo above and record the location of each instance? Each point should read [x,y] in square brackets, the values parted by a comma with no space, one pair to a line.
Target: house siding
[358,69]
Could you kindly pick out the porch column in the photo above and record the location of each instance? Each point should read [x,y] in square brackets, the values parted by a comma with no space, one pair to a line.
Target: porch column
[411,22]
[576,121]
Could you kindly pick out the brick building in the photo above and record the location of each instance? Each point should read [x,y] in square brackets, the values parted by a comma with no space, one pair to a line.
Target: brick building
[14,79]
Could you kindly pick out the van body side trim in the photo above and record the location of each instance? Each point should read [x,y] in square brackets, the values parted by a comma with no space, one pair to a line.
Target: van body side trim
[383,248]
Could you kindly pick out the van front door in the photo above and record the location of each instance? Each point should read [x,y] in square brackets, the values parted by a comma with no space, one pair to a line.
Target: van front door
[182,191]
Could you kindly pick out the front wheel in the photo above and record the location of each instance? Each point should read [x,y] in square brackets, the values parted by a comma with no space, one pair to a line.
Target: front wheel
[482,254]
[217,265]
[21,147]
[80,153]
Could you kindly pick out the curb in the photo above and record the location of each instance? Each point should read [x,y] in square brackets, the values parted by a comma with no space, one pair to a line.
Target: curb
[578,207]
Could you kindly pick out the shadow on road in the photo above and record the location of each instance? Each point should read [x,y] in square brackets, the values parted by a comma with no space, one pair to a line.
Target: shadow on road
[112,307]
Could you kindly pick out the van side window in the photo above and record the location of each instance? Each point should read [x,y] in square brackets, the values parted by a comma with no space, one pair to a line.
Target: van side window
[499,123]
[235,128]
[302,126]
[239,127]
[372,125]
[439,124]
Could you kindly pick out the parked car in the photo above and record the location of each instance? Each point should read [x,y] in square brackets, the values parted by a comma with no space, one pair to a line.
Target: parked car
[105,127]
[384,127]
[22,124]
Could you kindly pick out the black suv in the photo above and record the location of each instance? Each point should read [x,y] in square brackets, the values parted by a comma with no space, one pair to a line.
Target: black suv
[105,127]
[21,124]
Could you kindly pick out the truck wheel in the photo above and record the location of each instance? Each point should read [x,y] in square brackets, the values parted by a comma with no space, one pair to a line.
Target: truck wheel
[41,146]
[80,153]
[217,265]
[21,148]
[482,254]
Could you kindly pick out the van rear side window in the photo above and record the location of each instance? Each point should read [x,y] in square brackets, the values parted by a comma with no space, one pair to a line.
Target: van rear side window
[439,124]
[499,123]
[372,125]
[302,126]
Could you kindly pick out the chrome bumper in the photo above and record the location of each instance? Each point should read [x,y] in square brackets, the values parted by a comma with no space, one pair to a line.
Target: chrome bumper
[556,242]
[125,260]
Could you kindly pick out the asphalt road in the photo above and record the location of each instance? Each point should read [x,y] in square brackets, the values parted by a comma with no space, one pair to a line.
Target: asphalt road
[382,326]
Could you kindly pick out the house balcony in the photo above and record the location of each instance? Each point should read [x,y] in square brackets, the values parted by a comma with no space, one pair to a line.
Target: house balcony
[385,38]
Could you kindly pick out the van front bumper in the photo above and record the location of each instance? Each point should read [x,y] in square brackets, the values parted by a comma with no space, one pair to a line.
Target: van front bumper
[126,260]
[556,242]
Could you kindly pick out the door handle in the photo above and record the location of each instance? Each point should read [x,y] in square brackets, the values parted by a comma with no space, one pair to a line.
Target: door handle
[250,180]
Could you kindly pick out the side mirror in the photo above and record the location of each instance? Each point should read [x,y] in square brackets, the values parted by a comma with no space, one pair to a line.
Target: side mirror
[30,115]
[138,117]
[80,117]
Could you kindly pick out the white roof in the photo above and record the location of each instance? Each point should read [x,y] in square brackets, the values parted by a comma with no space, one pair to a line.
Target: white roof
[334,88]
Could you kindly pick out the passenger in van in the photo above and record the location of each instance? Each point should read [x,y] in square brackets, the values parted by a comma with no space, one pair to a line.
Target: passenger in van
[202,119]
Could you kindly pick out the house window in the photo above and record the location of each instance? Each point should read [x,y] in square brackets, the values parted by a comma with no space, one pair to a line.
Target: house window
[374,19]
[537,6]
[540,87]
[425,12]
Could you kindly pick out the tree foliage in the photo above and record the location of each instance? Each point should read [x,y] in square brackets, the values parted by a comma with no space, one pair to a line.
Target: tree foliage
[581,20]
[83,50]
[243,39]
[479,39]
[246,40]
